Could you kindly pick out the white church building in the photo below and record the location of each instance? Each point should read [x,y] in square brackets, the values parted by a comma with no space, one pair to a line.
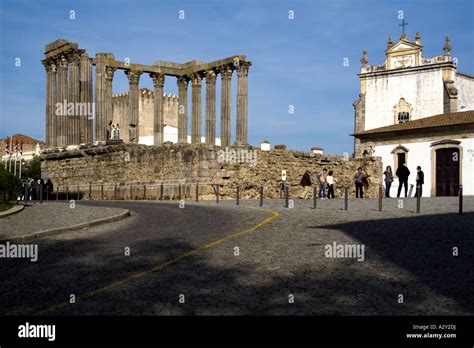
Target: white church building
[419,111]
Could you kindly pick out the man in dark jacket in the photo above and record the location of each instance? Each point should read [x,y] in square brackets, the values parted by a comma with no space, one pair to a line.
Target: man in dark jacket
[420,180]
[402,173]
[306,183]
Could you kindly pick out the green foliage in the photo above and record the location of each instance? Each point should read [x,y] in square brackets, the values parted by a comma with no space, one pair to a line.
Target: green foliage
[10,185]
[32,169]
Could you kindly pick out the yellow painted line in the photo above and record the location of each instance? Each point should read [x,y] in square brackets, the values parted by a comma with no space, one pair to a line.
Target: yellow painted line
[163,265]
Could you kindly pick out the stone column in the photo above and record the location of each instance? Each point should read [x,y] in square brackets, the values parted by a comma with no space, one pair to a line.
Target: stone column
[86,99]
[62,124]
[196,123]
[158,118]
[50,103]
[73,97]
[242,103]
[133,95]
[100,92]
[183,109]
[226,75]
[210,107]
[109,76]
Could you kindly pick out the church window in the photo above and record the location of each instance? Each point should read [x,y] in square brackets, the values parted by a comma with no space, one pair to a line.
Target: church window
[402,111]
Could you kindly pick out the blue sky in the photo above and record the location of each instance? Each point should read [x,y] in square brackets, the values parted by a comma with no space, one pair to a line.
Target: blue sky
[295,62]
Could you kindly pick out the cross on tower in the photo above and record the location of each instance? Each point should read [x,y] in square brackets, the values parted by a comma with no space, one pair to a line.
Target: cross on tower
[403,26]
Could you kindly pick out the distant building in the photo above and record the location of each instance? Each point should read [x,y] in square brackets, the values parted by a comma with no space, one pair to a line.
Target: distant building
[418,111]
[31,146]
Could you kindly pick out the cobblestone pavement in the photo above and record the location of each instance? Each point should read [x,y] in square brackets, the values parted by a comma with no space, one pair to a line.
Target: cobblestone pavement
[37,217]
[406,254]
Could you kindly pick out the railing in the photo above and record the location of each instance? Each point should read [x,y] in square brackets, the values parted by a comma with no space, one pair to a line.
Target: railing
[191,191]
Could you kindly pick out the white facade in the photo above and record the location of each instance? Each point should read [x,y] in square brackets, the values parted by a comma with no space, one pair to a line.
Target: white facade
[422,154]
[407,87]
[170,133]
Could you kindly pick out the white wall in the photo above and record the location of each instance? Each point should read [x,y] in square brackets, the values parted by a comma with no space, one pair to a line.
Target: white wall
[419,154]
[465,87]
[422,89]
[171,134]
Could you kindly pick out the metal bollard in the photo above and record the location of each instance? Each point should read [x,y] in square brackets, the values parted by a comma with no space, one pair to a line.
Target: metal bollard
[287,198]
[418,199]
[47,193]
[197,192]
[144,191]
[315,197]
[78,193]
[41,193]
[102,191]
[380,197]
[346,198]
[261,195]
[237,202]
[57,193]
[90,191]
[217,194]
[161,192]
[179,192]
[115,192]
[67,193]
[26,193]
[460,199]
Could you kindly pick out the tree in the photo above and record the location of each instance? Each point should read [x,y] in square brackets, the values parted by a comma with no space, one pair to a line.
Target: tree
[32,169]
[10,185]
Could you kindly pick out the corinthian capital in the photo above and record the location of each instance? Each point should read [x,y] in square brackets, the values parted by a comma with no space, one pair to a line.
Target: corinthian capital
[210,76]
[243,68]
[133,76]
[225,71]
[196,79]
[109,72]
[183,82]
[158,79]
[62,62]
[50,66]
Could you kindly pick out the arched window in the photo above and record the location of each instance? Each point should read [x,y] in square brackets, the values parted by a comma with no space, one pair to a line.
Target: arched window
[402,111]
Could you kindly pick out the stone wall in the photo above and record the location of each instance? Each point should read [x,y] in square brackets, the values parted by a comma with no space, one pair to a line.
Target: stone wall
[187,164]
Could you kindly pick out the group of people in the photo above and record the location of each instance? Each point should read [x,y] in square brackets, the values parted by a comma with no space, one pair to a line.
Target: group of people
[34,188]
[403,173]
[327,182]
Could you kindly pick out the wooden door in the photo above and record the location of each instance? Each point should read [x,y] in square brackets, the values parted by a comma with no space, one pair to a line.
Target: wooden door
[447,172]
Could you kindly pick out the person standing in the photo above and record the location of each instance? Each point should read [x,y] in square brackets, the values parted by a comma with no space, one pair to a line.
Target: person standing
[331,182]
[402,173]
[322,183]
[420,180]
[359,182]
[388,180]
[306,183]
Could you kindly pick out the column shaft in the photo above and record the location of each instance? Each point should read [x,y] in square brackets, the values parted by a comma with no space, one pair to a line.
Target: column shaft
[50,104]
[242,103]
[211,107]
[73,97]
[86,99]
[100,91]
[61,117]
[226,75]
[158,118]
[133,96]
[183,109]
[196,122]
[108,95]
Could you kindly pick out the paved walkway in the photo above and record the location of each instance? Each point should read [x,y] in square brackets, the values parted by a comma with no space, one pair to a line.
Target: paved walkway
[38,217]
[192,252]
